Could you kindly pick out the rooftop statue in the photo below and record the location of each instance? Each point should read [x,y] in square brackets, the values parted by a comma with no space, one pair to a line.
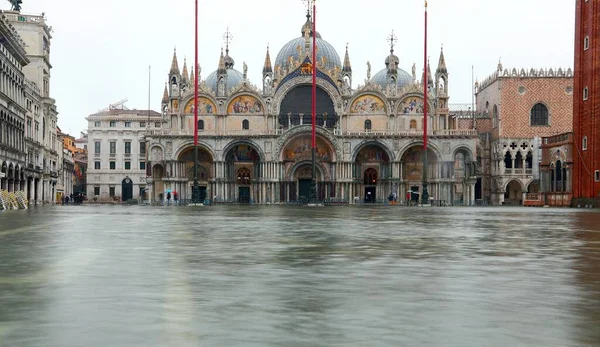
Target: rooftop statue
[16,5]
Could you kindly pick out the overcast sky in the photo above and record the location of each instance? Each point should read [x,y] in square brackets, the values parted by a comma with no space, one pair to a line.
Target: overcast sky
[101,50]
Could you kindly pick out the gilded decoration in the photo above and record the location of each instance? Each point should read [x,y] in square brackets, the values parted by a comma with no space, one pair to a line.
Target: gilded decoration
[300,149]
[244,104]
[372,154]
[243,152]
[205,106]
[367,104]
[411,105]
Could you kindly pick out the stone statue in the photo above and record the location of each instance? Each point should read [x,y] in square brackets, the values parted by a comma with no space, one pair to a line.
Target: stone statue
[221,87]
[16,5]
[368,70]
[245,70]
[414,72]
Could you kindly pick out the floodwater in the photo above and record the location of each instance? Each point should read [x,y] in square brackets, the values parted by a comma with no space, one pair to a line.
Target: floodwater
[299,276]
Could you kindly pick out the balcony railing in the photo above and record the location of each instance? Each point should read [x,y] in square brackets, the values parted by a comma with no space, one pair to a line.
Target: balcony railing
[275,132]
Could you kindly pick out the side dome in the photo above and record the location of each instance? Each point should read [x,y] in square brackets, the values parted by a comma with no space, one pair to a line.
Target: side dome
[234,78]
[380,78]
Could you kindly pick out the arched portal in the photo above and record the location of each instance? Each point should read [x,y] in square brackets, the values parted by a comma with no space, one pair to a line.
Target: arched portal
[373,170]
[205,174]
[514,193]
[296,108]
[298,150]
[411,172]
[242,165]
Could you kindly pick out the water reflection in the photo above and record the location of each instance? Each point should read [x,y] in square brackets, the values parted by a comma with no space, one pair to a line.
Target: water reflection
[292,276]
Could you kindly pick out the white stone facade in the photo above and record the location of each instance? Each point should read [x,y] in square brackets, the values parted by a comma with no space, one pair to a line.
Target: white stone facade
[117,153]
[32,164]
[255,145]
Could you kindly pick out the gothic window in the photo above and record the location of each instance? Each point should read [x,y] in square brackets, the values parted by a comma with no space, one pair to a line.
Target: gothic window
[585,93]
[539,115]
[508,160]
[200,125]
[367,125]
[584,143]
[245,124]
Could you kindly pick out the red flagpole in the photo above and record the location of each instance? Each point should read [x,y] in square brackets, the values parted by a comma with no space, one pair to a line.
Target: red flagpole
[196,81]
[195,188]
[314,76]
[425,193]
[425,86]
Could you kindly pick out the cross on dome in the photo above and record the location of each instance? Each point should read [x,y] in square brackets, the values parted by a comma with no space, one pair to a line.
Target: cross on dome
[308,6]
[227,37]
[392,39]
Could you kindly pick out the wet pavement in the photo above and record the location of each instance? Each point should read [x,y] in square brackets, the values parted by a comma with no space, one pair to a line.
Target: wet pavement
[299,276]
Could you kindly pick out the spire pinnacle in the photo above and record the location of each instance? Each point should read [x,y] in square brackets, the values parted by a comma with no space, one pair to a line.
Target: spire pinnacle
[165,98]
[442,62]
[267,67]
[347,67]
[222,67]
[174,65]
[184,78]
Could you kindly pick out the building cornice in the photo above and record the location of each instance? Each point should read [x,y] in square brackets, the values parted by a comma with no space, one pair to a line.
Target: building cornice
[12,40]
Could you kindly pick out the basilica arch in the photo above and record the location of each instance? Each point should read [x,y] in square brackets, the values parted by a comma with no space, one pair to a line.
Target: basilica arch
[306,130]
[373,170]
[296,156]
[242,170]
[411,172]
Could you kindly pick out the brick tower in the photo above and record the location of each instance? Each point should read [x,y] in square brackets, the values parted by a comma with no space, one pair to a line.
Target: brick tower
[586,102]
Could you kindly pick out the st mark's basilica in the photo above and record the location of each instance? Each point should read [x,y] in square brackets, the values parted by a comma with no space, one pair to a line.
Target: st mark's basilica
[255,144]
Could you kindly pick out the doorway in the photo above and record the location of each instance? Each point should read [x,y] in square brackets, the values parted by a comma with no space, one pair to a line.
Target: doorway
[244,195]
[304,189]
[478,190]
[126,190]
[370,195]
[414,193]
[202,190]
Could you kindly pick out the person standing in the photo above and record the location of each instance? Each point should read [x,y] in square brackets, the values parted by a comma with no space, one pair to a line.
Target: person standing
[168,198]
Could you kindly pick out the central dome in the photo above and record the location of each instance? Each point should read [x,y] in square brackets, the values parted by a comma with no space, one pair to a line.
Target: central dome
[295,49]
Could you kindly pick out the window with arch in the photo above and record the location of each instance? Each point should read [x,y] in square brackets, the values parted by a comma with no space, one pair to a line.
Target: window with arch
[585,93]
[495,116]
[243,176]
[370,176]
[245,124]
[200,125]
[584,143]
[413,124]
[368,125]
[539,115]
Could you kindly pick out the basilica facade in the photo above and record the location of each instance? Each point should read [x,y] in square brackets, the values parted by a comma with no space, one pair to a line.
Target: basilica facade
[255,144]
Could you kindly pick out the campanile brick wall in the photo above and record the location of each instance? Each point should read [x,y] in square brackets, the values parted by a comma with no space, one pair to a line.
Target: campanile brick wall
[586,113]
